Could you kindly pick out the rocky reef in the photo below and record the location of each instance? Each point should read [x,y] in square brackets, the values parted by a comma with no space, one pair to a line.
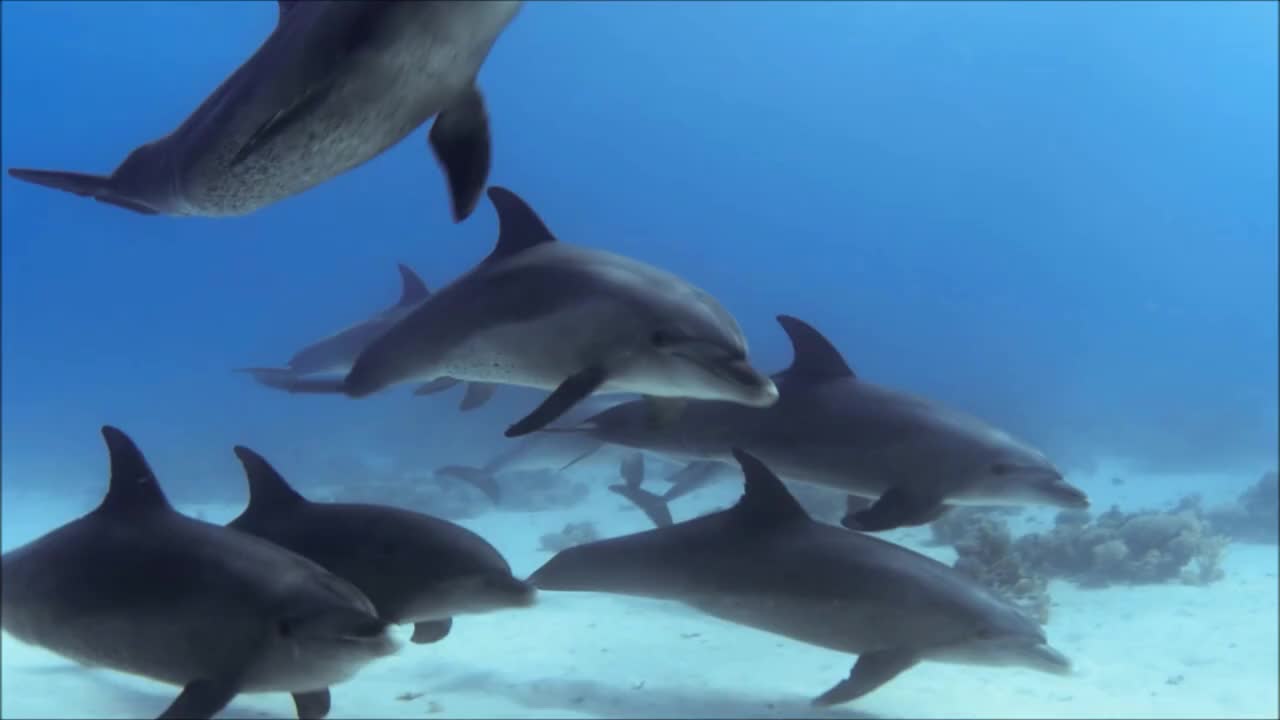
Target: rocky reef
[1254,516]
[572,534]
[986,551]
[1115,548]
[353,479]
[1128,548]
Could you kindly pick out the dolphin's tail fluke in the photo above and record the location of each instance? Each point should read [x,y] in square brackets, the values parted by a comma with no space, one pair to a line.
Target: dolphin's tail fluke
[98,187]
[290,381]
[278,378]
[652,505]
[483,481]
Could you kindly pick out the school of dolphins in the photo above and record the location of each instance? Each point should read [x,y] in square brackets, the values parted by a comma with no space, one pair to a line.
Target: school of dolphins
[297,596]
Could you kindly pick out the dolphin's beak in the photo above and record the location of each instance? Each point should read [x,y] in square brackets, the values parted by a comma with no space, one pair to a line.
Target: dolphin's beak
[1045,658]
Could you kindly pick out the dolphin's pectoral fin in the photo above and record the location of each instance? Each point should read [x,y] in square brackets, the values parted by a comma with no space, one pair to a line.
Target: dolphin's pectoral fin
[438,385]
[664,411]
[477,394]
[872,670]
[312,705]
[896,508]
[429,631]
[653,506]
[570,393]
[201,699]
[856,503]
[460,140]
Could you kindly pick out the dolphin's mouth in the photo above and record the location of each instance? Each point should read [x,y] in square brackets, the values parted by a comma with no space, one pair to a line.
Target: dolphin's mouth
[1046,658]
[1067,495]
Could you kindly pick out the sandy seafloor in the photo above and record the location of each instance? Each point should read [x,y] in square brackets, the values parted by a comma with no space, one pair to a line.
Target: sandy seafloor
[1147,651]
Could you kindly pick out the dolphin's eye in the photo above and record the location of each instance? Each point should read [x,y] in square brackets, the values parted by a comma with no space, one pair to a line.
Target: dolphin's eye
[285,628]
[1001,469]
[661,338]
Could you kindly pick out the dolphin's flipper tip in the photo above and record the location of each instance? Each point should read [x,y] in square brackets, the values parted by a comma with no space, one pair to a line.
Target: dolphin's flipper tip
[460,140]
[430,631]
[313,705]
[896,508]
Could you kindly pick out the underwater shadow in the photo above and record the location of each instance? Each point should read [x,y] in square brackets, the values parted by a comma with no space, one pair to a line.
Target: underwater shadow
[128,701]
[615,701]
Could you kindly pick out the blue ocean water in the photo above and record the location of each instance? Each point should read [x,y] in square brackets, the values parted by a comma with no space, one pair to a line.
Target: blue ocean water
[1061,217]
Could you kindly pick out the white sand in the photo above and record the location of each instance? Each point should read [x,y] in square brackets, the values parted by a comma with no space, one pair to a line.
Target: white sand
[1153,651]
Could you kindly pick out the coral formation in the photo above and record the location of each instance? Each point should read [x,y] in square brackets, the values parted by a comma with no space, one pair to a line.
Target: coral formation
[1128,548]
[1254,516]
[358,480]
[987,554]
[1113,548]
[572,534]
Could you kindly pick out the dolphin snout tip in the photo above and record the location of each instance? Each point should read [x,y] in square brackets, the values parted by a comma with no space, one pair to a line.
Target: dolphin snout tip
[1051,660]
[1073,497]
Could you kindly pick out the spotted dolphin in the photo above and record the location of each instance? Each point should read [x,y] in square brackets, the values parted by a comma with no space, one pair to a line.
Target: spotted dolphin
[334,85]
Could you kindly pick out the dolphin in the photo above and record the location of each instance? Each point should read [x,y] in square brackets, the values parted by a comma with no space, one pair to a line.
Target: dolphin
[765,564]
[538,452]
[334,85]
[137,587]
[336,353]
[691,477]
[415,568]
[832,428]
[546,314]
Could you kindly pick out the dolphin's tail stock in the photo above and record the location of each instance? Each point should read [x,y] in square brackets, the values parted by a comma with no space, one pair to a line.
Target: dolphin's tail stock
[483,481]
[99,187]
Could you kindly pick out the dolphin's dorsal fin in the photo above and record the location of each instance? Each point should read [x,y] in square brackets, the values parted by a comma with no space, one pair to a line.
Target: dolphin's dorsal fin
[766,501]
[133,485]
[412,289]
[519,227]
[267,488]
[814,357]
